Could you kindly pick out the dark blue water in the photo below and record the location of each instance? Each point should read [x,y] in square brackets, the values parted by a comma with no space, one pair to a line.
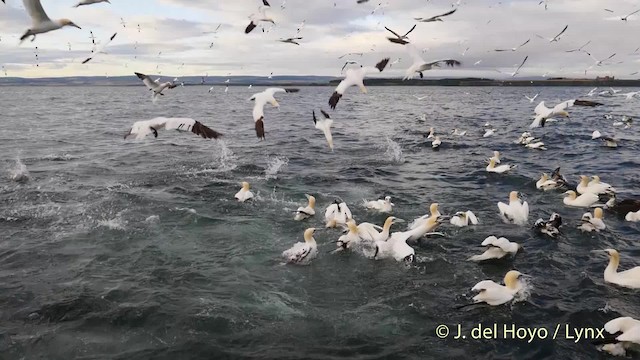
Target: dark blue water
[114,249]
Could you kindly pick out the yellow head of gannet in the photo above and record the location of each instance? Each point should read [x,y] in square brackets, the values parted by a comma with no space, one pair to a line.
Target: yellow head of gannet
[513,196]
[492,163]
[571,194]
[544,177]
[312,201]
[584,180]
[434,209]
[308,235]
[598,213]
[628,278]
[390,221]
[351,224]
[511,279]
[331,223]
[245,186]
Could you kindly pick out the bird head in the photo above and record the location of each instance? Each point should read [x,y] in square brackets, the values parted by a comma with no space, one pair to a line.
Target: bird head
[245,186]
[571,194]
[598,213]
[563,113]
[308,234]
[67,22]
[511,279]
[513,196]
[312,200]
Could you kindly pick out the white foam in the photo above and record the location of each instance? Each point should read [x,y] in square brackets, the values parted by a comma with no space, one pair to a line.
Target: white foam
[275,165]
[19,172]
[394,152]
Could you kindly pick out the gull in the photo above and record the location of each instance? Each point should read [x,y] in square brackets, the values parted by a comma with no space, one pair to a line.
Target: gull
[143,128]
[101,50]
[557,37]
[550,227]
[325,126]
[355,77]
[625,335]
[303,252]
[593,222]
[599,62]
[435,18]
[155,86]
[382,206]
[420,65]
[580,48]
[255,20]
[308,211]
[244,194]
[290,40]
[532,99]
[123,23]
[41,22]
[399,39]
[497,248]
[500,169]
[543,113]
[517,212]
[495,294]
[261,99]
[513,74]
[300,27]
[515,48]
[463,218]
[625,17]
[89,2]
[628,278]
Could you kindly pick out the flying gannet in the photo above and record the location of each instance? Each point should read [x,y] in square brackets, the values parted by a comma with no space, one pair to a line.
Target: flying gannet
[399,39]
[557,37]
[89,2]
[261,99]
[324,125]
[543,113]
[143,128]
[355,77]
[255,20]
[155,86]
[94,53]
[514,48]
[420,65]
[41,22]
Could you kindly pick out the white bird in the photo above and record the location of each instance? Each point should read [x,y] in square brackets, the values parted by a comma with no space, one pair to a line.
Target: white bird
[436,142]
[369,232]
[495,157]
[457,132]
[514,48]
[633,216]
[629,95]
[557,37]
[532,99]
[625,334]
[513,74]
[256,19]
[308,211]
[539,145]
[463,218]
[324,125]
[89,2]
[495,294]
[420,65]
[303,252]
[261,99]
[244,194]
[584,200]
[41,22]
[593,222]
[628,278]
[433,212]
[497,248]
[396,246]
[594,186]
[596,135]
[546,183]
[351,239]
[94,53]
[383,206]
[489,132]
[592,91]
[336,214]
[156,87]
[425,227]
[500,169]
[143,128]
[543,113]
[517,212]
[355,77]
[432,133]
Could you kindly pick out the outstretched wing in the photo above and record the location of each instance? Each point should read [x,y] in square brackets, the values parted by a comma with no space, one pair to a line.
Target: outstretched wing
[152,85]
[35,11]
[188,124]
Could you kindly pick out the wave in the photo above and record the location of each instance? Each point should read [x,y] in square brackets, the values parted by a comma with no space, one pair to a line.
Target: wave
[19,172]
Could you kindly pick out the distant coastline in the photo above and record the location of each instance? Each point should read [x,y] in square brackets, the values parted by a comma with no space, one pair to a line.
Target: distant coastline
[316,81]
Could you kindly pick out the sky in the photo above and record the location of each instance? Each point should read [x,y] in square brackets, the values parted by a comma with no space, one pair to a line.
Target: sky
[178,38]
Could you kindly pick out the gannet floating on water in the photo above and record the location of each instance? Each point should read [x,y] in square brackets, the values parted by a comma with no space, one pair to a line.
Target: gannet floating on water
[308,211]
[497,248]
[628,278]
[420,65]
[244,194]
[155,86]
[336,214]
[495,157]
[609,142]
[625,121]
[516,212]
[546,183]
[383,206]
[261,99]
[594,186]
[551,227]
[41,22]
[463,218]
[625,334]
[431,134]
[396,246]
[303,252]
[89,2]
[596,135]
[351,239]
[436,142]
[457,132]
[384,235]
[324,125]
[584,200]
[489,132]
[593,222]
[433,209]
[355,77]
[143,128]
[495,294]
[500,168]
[539,145]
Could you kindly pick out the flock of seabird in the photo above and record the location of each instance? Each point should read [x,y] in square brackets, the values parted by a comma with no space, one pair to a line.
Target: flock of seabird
[379,242]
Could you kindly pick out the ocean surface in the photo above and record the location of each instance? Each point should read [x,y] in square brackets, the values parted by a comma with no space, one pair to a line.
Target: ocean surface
[114,249]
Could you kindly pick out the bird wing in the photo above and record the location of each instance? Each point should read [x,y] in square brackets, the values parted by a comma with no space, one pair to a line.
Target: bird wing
[344,210]
[409,32]
[445,14]
[632,13]
[188,124]
[561,32]
[148,81]
[414,53]
[472,217]
[297,253]
[393,32]
[101,50]
[541,109]
[523,44]
[258,108]
[563,106]
[523,61]
[379,67]
[35,11]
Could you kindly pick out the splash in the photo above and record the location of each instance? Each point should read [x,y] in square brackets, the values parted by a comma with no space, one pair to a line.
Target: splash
[116,223]
[274,165]
[19,172]
[525,292]
[225,157]
[394,152]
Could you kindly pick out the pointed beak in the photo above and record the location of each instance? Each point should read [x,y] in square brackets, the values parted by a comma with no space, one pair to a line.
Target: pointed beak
[74,25]
[127,134]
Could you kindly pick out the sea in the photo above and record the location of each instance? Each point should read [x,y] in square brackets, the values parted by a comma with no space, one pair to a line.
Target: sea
[137,249]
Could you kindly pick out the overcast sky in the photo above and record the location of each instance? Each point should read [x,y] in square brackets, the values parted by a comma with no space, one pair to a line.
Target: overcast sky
[174,37]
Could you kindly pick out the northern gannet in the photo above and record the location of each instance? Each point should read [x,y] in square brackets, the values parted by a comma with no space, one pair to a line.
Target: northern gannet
[546,183]
[517,212]
[515,49]
[626,121]
[543,113]
[261,99]
[633,216]
[495,294]
[609,142]
[308,211]
[436,142]
[351,239]
[625,334]
[355,77]
[336,214]
[594,186]
[532,99]
[420,65]
[435,18]
[396,246]
[255,20]
[457,132]
[94,53]
[383,206]
[584,200]
[386,227]
[143,128]
[513,74]
[497,248]
[500,168]
[155,86]
[303,252]
[424,227]
[41,22]
[433,209]
[324,125]
[538,145]
[89,2]
[489,132]
[432,133]
[244,194]
[399,39]
[628,278]
[557,37]
[495,157]
[593,222]
[550,227]
[463,218]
